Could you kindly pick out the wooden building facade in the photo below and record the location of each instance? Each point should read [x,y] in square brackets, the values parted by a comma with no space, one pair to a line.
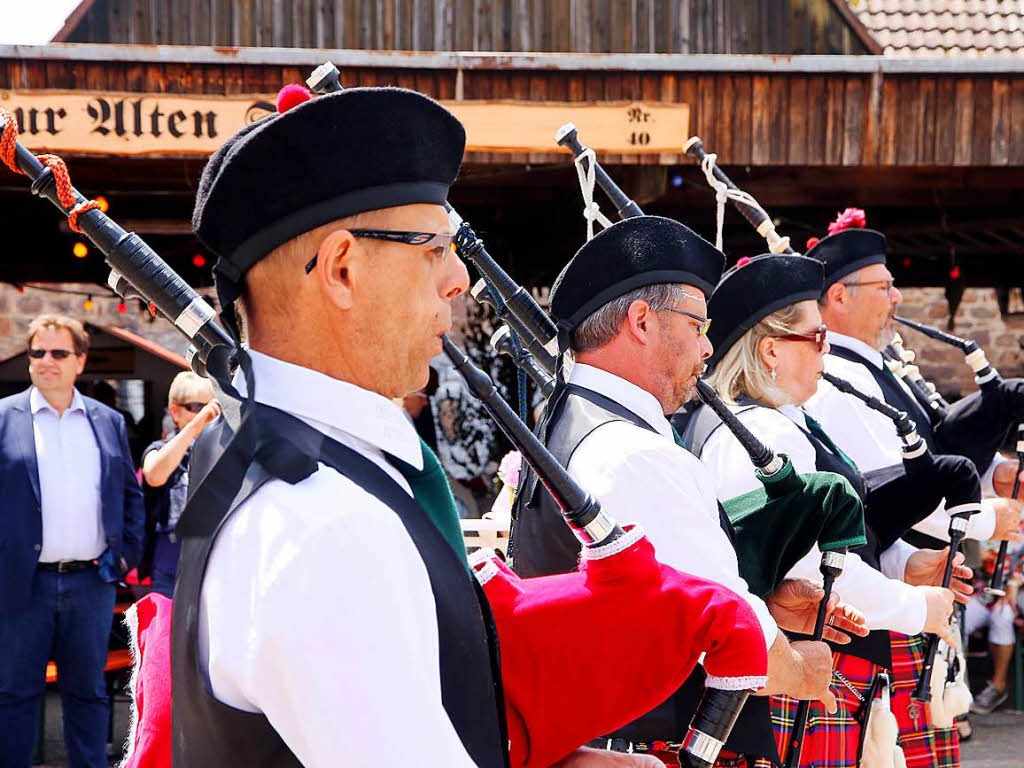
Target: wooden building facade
[929,148]
[581,26]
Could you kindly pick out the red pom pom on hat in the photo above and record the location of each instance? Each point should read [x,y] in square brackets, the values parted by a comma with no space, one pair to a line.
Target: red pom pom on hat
[292,95]
[811,242]
[851,218]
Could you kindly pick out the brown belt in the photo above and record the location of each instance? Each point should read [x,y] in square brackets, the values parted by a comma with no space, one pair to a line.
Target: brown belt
[67,566]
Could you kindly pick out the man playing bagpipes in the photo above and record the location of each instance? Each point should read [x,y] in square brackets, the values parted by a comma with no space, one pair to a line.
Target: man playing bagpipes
[769,343]
[630,306]
[324,612]
[857,306]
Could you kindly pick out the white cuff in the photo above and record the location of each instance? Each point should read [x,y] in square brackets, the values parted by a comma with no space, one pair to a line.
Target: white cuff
[894,559]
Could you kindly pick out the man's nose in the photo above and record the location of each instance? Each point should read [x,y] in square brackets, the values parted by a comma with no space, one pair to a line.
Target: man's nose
[705,347]
[457,281]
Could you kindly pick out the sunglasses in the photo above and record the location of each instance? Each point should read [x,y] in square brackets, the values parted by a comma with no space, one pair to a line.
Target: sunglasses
[443,239]
[192,407]
[703,323]
[56,354]
[817,336]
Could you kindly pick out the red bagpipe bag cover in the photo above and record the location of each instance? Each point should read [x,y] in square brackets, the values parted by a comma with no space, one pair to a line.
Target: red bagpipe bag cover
[582,653]
[586,652]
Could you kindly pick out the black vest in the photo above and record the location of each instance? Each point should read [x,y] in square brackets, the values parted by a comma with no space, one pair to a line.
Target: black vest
[266,444]
[894,394]
[875,647]
[898,397]
[541,544]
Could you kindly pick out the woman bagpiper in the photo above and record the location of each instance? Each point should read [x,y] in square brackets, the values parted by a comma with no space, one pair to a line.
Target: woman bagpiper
[769,343]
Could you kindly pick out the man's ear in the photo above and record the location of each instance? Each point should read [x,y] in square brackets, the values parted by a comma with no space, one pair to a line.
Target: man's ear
[639,317]
[334,266]
[836,294]
[82,359]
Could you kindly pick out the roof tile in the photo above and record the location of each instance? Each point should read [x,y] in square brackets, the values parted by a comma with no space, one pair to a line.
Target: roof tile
[944,27]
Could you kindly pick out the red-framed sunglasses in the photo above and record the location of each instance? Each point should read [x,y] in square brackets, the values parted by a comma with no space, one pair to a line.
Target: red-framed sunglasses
[817,336]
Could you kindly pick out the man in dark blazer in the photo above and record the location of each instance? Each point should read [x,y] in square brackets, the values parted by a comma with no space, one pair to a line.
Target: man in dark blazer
[71,523]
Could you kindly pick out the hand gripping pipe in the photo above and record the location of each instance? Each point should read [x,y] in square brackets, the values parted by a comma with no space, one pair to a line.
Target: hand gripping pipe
[501,342]
[995,586]
[133,262]
[960,509]
[715,718]
[831,567]
[958,520]
[528,313]
[754,214]
[566,136]
[984,373]
[768,463]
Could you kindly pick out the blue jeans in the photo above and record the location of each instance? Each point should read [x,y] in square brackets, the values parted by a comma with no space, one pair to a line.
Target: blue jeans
[68,619]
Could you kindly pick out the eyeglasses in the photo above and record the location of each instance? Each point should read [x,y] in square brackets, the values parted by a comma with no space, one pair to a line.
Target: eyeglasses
[887,285]
[56,354]
[817,336]
[192,407]
[703,323]
[441,239]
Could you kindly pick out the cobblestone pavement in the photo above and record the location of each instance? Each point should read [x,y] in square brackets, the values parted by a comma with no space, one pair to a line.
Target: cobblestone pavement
[998,738]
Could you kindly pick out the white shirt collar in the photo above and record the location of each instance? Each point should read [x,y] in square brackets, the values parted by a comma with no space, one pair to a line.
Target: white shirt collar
[626,393]
[795,414]
[37,402]
[327,404]
[866,351]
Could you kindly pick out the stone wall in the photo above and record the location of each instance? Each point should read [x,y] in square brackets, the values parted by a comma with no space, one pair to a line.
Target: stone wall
[977,318]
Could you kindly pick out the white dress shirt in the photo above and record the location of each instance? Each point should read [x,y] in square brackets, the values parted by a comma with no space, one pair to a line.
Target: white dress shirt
[886,602]
[316,608]
[68,458]
[644,477]
[869,438]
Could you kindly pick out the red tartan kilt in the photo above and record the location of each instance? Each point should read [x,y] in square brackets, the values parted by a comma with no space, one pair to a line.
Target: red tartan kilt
[830,741]
[924,745]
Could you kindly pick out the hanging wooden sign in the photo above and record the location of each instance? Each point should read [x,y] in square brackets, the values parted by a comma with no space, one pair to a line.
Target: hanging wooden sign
[82,122]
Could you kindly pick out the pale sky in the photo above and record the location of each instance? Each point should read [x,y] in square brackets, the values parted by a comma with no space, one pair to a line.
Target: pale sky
[32,22]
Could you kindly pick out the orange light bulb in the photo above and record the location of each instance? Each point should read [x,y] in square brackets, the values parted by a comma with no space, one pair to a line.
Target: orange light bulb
[81,250]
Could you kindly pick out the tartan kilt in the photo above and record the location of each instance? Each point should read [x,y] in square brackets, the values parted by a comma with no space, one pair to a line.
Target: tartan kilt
[924,745]
[830,741]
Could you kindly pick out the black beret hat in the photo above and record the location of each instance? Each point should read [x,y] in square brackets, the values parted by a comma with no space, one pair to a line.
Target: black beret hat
[847,251]
[333,156]
[631,254]
[755,288]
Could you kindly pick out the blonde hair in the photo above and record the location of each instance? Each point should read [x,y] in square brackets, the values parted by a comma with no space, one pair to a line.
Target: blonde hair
[187,386]
[741,371]
[79,336]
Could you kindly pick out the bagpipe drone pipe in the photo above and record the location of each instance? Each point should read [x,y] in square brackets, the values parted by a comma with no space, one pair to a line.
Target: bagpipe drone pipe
[926,478]
[558,633]
[976,426]
[900,362]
